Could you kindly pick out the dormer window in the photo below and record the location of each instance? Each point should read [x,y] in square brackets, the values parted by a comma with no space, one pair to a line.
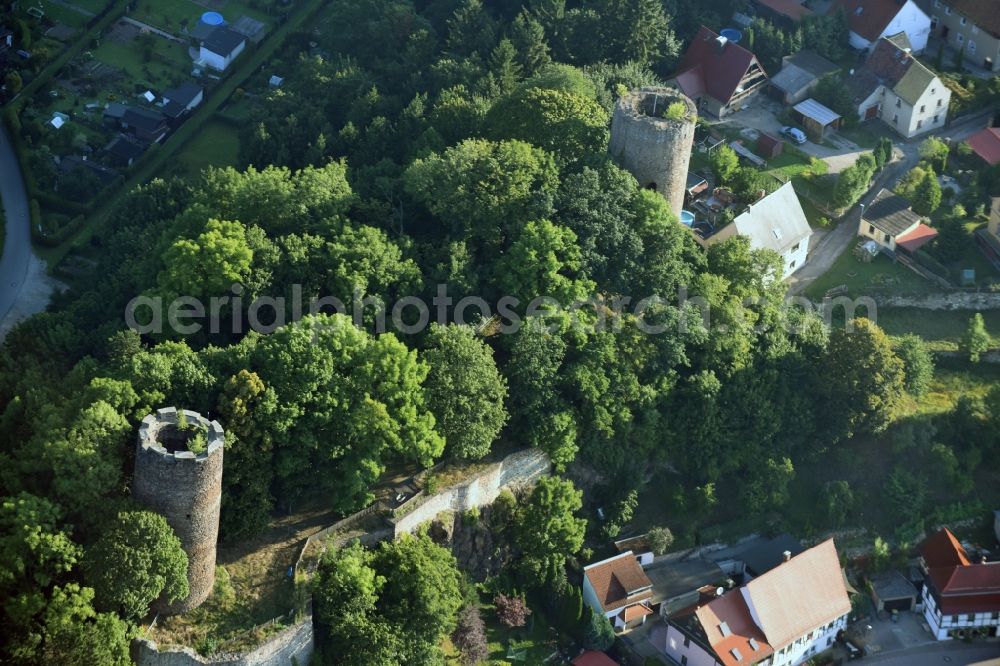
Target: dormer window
[754,645]
[736,654]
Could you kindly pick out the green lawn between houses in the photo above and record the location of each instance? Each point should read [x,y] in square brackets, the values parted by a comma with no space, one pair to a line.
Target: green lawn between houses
[863,278]
[216,144]
[169,15]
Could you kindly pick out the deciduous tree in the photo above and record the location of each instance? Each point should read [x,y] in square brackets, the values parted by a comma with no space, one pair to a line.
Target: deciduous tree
[137,559]
[465,391]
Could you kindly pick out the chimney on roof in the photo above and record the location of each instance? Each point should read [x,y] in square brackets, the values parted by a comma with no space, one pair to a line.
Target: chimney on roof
[982,559]
[721,42]
[787,555]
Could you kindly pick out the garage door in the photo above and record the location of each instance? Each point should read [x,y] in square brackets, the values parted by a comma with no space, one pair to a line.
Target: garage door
[899,604]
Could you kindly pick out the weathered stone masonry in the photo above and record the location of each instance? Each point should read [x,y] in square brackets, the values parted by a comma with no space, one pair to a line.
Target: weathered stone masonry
[186,489]
[652,148]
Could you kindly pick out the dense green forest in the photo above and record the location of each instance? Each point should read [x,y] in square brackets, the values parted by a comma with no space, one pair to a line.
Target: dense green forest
[419,144]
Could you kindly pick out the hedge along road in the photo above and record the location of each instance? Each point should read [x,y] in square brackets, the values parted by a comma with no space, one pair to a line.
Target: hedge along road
[17,245]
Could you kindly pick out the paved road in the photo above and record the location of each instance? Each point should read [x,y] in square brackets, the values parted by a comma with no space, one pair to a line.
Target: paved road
[946,653]
[17,242]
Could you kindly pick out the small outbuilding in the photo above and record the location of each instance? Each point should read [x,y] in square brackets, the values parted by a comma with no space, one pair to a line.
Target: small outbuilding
[768,146]
[816,118]
[891,591]
[800,74]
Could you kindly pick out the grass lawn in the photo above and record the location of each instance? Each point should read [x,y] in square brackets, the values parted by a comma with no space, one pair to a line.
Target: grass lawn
[953,378]
[168,65]
[170,15]
[862,278]
[63,15]
[863,135]
[216,144]
[942,329]
[531,644]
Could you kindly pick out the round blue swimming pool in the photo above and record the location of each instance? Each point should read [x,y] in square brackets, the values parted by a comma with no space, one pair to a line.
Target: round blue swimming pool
[687,218]
[212,18]
[731,34]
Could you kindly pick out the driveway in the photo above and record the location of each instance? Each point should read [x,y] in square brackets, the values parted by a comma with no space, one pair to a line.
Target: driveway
[762,115]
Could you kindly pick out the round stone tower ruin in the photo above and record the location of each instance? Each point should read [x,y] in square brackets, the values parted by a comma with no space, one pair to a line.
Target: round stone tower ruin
[178,474]
[652,147]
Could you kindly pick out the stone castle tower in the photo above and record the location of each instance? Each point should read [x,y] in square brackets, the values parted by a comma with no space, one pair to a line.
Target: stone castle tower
[185,487]
[654,149]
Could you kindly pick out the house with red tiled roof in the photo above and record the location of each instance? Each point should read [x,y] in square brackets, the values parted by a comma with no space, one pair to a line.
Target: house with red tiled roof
[619,589]
[961,598]
[781,618]
[986,144]
[970,25]
[719,75]
[871,20]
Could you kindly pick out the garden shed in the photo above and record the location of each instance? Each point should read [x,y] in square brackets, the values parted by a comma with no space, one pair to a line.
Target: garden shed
[815,117]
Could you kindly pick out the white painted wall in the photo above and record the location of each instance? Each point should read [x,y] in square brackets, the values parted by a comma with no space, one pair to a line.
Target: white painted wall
[675,649]
[941,624]
[216,61]
[795,256]
[911,19]
[808,646]
[930,112]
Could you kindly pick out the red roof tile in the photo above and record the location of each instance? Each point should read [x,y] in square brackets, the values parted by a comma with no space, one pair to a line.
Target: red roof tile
[986,144]
[959,586]
[942,549]
[619,581]
[915,239]
[732,610]
[709,67]
[875,16]
[594,658]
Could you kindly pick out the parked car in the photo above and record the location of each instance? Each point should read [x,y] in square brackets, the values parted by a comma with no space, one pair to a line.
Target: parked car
[795,134]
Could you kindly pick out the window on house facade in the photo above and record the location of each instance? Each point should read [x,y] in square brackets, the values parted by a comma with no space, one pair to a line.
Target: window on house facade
[940,102]
[960,38]
[972,46]
[684,660]
[899,102]
[970,617]
[687,641]
[975,29]
[923,108]
[887,237]
[871,228]
[937,119]
[947,11]
[962,20]
[895,119]
[937,4]
[795,248]
[791,265]
[920,124]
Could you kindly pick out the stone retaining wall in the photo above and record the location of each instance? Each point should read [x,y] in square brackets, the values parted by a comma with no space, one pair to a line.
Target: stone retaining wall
[518,469]
[953,300]
[293,645]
